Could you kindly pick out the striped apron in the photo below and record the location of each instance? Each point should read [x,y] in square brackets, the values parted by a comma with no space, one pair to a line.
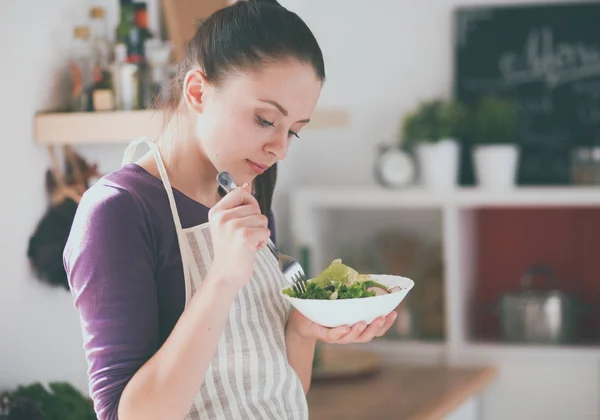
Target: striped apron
[249,376]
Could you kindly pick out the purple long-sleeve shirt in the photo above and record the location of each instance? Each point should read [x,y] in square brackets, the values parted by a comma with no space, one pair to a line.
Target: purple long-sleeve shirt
[125,272]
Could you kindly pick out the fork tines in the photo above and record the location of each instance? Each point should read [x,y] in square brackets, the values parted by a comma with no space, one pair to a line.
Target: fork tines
[299,283]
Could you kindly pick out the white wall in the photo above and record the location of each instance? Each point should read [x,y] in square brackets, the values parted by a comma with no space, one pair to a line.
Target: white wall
[382,56]
[40,338]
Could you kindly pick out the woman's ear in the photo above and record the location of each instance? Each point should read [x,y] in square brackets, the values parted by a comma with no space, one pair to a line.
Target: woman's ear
[194,86]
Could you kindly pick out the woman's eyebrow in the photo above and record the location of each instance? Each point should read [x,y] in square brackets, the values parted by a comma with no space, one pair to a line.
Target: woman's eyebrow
[282,109]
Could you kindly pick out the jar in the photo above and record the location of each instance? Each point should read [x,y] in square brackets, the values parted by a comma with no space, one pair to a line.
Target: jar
[581,166]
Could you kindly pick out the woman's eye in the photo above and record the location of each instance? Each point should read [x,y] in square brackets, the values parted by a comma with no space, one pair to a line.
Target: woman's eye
[264,122]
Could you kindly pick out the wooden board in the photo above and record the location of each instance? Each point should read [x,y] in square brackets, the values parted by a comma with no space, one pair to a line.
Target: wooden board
[399,392]
[182,18]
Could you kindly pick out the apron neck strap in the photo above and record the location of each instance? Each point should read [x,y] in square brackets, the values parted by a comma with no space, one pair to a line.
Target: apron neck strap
[162,170]
[132,147]
[184,246]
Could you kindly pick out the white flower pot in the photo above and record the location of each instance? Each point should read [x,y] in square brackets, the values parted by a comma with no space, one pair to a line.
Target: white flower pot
[438,164]
[496,165]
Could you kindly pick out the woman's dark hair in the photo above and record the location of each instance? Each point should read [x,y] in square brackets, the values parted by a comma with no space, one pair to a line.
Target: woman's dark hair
[245,36]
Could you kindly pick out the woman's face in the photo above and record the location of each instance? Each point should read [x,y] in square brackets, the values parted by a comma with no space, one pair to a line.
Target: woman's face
[247,123]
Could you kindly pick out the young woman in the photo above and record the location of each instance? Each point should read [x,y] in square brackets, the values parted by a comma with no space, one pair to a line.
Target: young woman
[178,297]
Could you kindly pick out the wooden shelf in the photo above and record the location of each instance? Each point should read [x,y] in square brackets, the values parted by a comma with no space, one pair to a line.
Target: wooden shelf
[94,127]
[124,126]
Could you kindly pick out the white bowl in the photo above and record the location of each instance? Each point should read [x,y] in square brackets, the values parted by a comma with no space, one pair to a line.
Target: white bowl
[335,313]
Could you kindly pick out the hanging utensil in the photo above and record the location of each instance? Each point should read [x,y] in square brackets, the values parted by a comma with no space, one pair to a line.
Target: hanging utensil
[46,244]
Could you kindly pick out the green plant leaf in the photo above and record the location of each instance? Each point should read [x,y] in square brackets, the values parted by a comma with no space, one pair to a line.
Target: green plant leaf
[434,120]
[494,121]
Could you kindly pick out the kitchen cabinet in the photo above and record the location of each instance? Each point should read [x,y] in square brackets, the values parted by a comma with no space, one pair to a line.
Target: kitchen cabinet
[562,378]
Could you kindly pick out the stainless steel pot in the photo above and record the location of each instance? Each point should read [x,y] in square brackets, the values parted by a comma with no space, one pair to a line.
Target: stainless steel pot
[547,316]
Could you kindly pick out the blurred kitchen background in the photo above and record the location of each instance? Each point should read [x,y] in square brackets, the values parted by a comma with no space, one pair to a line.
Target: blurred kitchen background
[456,143]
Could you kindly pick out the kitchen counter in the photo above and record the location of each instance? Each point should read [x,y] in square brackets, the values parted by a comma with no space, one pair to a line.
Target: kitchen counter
[416,392]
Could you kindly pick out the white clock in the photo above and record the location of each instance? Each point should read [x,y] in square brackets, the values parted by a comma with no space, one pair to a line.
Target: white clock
[394,167]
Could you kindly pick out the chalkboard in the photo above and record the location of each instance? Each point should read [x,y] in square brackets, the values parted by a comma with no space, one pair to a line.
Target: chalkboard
[547,57]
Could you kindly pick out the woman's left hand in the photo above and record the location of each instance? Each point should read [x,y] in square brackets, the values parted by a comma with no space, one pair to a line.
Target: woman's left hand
[357,333]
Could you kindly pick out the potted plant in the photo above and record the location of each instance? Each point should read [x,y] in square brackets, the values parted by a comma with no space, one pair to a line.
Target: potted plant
[433,130]
[36,401]
[495,150]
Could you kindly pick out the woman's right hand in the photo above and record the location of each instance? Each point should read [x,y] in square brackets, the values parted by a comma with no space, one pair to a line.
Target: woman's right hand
[238,231]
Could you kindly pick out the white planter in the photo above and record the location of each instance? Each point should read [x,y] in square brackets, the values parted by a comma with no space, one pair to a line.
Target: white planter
[496,165]
[438,164]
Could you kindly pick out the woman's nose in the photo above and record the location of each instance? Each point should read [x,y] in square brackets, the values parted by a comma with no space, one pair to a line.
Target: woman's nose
[278,145]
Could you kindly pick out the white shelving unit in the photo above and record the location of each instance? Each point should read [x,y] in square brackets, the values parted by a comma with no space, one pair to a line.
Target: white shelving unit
[313,207]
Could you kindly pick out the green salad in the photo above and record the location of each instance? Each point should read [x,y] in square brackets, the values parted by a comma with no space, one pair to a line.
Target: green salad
[338,281]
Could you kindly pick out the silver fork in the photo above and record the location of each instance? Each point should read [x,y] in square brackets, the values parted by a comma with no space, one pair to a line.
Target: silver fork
[290,268]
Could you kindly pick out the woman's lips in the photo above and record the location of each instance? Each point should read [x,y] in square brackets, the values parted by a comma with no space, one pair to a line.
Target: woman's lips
[257,167]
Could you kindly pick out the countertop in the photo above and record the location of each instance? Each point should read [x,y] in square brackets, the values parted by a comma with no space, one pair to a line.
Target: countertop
[416,392]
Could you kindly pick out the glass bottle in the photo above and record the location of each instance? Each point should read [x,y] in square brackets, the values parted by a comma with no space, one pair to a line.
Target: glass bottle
[158,54]
[125,80]
[137,39]
[126,23]
[102,93]
[99,34]
[141,22]
[80,63]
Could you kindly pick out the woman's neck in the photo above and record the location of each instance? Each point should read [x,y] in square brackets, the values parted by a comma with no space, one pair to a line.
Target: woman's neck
[188,168]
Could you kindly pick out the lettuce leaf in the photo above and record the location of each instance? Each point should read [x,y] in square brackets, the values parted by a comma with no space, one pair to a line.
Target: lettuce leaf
[338,281]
